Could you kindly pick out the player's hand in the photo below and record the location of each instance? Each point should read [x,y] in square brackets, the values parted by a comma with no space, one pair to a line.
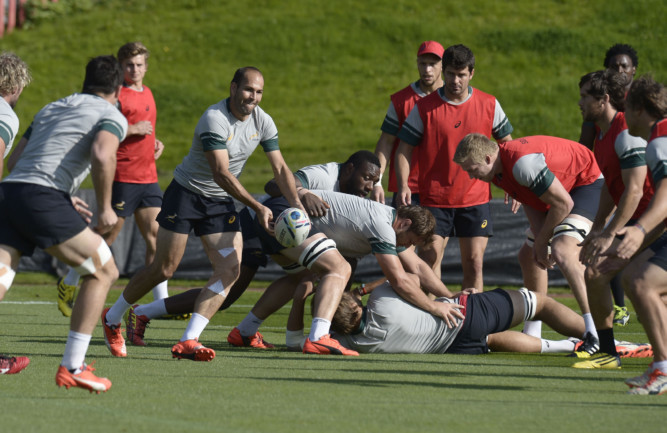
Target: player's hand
[82,207]
[447,312]
[611,263]
[314,205]
[515,204]
[143,127]
[106,220]
[377,194]
[541,254]
[593,246]
[159,148]
[404,196]
[265,217]
[632,241]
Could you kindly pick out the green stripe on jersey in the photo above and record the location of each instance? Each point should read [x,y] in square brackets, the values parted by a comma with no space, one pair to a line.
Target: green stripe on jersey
[112,127]
[542,182]
[270,145]
[212,141]
[633,158]
[6,133]
[379,247]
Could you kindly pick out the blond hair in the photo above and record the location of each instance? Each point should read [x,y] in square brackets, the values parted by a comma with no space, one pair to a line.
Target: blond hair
[476,147]
[14,74]
[132,49]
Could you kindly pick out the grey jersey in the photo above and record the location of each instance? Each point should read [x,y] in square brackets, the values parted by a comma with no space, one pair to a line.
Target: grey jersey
[218,128]
[656,158]
[358,226]
[9,125]
[320,176]
[393,325]
[60,139]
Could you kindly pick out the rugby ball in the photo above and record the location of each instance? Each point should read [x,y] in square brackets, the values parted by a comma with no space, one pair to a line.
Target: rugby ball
[292,227]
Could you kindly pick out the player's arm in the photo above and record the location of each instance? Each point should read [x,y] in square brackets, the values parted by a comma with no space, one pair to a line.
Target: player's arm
[102,170]
[2,152]
[408,289]
[159,148]
[413,264]
[143,127]
[383,151]
[16,153]
[560,204]
[284,178]
[402,162]
[652,219]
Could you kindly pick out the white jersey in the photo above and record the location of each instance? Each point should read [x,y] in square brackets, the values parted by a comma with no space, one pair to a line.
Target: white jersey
[358,226]
[393,325]
[9,125]
[218,128]
[60,139]
[320,176]
[656,158]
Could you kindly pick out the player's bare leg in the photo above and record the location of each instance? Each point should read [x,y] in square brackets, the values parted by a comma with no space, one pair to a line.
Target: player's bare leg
[472,261]
[433,252]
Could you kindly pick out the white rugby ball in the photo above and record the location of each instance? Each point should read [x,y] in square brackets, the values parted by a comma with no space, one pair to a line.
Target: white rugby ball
[292,227]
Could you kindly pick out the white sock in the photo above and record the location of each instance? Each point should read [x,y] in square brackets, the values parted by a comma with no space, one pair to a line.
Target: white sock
[160,291]
[319,328]
[590,325]
[195,327]
[152,310]
[660,365]
[557,346]
[533,328]
[115,313]
[295,338]
[72,278]
[75,350]
[250,325]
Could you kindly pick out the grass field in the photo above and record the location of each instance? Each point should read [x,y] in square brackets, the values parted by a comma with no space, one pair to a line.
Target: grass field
[244,390]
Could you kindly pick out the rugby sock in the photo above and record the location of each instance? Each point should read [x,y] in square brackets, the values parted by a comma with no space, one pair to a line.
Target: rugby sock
[659,365]
[160,291]
[195,327]
[319,328]
[607,343]
[115,313]
[590,325]
[617,291]
[557,346]
[152,310]
[295,338]
[533,328]
[249,325]
[72,278]
[75,350]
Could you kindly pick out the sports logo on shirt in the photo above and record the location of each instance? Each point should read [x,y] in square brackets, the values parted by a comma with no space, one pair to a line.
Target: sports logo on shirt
[254,136]
[457,124]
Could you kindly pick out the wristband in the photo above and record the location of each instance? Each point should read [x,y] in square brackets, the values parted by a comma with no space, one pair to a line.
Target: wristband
[640,227]
[362,290]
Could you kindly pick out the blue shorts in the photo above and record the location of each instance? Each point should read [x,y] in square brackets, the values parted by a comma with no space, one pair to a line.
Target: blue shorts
[252,255]
[34,215]
[486,313]
[586,199]
[183,210]
[128,197]
[659,247]
[463,222]
[269,243]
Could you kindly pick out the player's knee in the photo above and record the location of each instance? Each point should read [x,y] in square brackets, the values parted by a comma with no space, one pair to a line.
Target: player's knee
[100,263]
[633,283]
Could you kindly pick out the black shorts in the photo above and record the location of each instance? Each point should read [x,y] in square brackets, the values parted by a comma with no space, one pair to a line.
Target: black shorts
[183,210]
[586,199]
[269,243]
[128,197]
[463,222]
[659,247]
[486,313]
[34,215]
[414,199]
[252,255]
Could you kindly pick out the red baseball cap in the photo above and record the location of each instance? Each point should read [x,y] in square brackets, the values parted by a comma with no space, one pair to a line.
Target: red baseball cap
[431,47]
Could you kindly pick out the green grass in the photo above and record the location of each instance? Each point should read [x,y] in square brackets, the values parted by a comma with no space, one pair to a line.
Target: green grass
[331,66]
[273,391]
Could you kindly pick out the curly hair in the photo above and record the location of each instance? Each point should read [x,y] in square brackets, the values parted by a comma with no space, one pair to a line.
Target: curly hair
[347,316]
[621,49]
[14,74]
[606,82]
[423,222]
[650,95]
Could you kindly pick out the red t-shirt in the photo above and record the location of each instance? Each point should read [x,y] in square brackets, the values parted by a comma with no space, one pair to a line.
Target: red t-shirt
[403,102]
[135,160]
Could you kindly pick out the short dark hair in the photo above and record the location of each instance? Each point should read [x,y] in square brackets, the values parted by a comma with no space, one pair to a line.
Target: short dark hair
[240,74]
[458,57]
[617,49]
[358,158]
[103,75]
[650,95]
[606,82]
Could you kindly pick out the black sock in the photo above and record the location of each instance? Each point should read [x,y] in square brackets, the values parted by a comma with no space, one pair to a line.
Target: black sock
[607,344]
